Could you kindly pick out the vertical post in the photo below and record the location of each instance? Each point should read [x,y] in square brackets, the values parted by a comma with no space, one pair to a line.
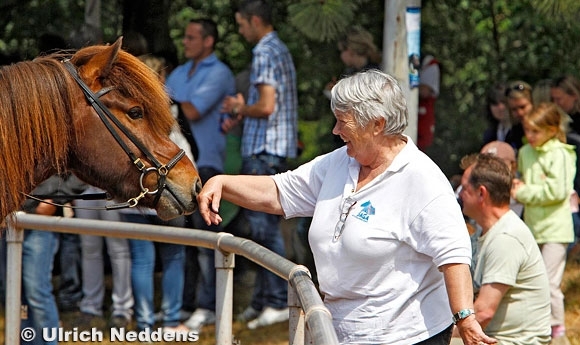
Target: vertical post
[14,239]
[297,324]
[224,265]
[396,56]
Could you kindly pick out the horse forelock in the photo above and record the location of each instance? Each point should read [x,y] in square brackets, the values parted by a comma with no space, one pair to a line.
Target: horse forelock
[35,108]
[134,79]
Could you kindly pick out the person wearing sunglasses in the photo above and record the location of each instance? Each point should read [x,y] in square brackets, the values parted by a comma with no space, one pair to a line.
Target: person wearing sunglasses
[390,244]
[520,103]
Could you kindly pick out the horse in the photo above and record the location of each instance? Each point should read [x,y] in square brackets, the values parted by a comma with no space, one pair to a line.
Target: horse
[101,114]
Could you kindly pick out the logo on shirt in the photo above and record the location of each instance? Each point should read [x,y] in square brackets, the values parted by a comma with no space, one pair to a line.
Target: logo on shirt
[366,211]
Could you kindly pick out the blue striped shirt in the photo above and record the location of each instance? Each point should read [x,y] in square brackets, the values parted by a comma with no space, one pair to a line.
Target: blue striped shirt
[277,134]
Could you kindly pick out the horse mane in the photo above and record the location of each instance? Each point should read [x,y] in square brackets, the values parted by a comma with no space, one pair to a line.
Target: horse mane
[35,110]
[137,81]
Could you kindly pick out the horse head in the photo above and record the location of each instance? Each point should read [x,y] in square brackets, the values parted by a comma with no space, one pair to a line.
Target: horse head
[120,137]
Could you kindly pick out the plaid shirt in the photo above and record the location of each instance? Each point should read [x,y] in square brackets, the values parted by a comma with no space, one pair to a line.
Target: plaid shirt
[277,134]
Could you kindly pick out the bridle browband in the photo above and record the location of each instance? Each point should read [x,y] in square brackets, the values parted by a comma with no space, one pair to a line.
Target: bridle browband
[108,120]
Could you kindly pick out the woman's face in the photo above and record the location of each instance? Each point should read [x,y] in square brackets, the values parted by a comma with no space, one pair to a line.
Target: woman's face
[563,100]
[358,140]
[499,111]
[520,107]
[346,55]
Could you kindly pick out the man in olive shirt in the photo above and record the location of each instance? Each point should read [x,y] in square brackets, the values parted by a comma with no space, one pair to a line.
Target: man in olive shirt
[512,303]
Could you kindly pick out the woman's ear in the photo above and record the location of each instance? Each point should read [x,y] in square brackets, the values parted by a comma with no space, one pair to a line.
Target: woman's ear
[380,125]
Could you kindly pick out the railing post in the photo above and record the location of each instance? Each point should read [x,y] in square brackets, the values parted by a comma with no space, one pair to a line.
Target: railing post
[224,265]
[14,239]
[297,324]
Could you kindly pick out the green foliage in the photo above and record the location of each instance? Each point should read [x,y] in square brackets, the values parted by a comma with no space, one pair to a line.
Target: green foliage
[477,42]
[322,20]
[488,42]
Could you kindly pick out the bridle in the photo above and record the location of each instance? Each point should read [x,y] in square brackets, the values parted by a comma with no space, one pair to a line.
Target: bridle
[109,120]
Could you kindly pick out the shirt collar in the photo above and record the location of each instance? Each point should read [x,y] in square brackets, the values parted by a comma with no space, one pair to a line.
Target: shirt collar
[270,36]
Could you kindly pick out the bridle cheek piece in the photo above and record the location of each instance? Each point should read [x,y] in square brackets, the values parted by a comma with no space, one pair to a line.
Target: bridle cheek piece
[109,119]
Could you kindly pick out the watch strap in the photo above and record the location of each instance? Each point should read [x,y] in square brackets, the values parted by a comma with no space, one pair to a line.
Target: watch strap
[462,314]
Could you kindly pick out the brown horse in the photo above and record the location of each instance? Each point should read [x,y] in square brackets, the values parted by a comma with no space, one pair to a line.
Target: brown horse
[103,115]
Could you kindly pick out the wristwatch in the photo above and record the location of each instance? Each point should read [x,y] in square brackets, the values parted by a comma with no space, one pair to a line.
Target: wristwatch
[462,314]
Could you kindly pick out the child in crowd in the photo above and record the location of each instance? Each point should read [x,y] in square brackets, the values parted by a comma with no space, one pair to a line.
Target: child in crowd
[547,166]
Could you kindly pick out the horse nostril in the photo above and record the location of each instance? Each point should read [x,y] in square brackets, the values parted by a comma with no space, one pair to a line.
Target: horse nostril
[198,186]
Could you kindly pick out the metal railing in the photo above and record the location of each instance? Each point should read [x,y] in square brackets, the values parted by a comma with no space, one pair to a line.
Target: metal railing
[310,321]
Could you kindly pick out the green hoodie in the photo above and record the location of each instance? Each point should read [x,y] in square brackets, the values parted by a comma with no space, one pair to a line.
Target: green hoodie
[548,172]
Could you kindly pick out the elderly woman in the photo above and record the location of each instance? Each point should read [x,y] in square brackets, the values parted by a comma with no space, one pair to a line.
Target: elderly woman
[390,245]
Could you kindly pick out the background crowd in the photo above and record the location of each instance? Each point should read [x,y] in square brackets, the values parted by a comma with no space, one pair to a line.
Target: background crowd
[538,123]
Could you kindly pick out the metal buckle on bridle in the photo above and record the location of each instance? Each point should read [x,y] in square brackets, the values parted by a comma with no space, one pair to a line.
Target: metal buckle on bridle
[109,119]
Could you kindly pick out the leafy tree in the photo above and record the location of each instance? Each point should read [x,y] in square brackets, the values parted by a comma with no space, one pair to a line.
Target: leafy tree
[488,42]
[477,42]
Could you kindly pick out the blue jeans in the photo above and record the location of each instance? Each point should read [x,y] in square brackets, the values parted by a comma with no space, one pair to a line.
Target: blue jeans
[70,289]
[38,251]
[206,256]
[142,271]
[269,290]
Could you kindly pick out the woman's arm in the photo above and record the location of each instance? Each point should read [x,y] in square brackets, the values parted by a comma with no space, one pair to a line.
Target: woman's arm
[460,293]
[258,193]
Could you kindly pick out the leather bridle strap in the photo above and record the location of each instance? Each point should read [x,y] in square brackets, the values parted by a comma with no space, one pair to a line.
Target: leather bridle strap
[107,117]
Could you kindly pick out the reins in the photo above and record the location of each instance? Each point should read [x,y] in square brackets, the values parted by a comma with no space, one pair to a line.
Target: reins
[110,121]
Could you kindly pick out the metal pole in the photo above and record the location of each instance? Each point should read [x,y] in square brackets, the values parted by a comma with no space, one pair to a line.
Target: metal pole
[317,317]
[297,324]
[14,239]
[224,265]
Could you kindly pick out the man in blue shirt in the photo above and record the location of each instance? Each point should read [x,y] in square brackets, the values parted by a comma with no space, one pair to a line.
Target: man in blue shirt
[269,138]
[199,86]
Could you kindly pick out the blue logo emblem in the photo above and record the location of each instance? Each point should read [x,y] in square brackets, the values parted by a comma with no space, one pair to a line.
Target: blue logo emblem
[366,211]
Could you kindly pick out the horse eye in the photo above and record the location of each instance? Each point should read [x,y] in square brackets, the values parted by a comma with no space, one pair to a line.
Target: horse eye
[135,113]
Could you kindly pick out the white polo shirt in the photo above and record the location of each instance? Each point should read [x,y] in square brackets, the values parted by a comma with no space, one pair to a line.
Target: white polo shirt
[380,278]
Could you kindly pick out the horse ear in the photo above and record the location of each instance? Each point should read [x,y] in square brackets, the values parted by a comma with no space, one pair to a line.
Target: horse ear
[101,64]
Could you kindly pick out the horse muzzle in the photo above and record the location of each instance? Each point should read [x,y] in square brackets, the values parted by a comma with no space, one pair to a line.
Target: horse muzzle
[174,203]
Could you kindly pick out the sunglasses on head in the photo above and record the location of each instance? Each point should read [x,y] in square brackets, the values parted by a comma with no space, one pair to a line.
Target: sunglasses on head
[516,87]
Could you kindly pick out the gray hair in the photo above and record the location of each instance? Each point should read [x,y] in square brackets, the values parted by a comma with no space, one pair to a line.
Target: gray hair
[371,95]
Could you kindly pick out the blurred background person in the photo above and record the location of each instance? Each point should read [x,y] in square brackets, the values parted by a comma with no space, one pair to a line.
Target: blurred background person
[499,123]
[429,81]
[198,87]
[520,103]
[547,167]
[565,92]
[512,301]
[358,53]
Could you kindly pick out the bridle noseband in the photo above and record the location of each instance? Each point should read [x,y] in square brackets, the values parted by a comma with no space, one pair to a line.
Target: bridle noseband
[108,120]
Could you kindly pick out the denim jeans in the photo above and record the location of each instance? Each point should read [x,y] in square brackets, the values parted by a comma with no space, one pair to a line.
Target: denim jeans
[70,289]
[38,251]
[269,290]
[205,256]
[142,273]
[191,278]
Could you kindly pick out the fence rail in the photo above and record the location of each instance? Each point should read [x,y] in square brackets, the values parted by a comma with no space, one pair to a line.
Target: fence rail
[310,321]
